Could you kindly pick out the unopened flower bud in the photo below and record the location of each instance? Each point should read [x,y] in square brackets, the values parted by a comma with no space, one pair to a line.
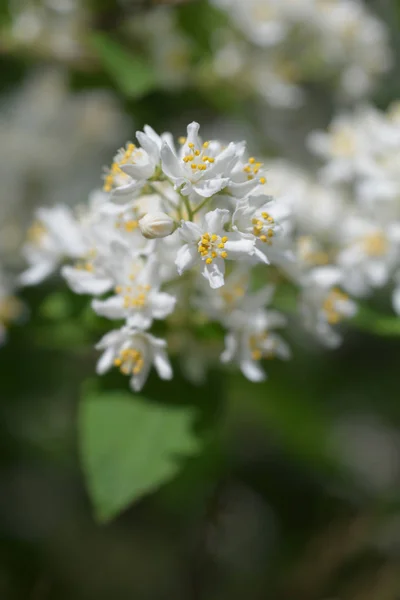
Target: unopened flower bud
[156,225]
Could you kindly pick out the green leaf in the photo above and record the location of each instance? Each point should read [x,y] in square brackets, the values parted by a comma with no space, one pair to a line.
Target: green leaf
[132,74]
[130,446]
[373,322]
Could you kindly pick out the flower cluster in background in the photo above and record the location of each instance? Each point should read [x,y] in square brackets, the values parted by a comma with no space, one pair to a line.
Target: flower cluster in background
[286,43]
[361,154]
[52,143]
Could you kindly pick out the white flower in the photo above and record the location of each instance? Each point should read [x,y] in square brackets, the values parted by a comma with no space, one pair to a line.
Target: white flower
[54,236]
[133,166]
[260,218]
[105,229]
[209,245]
[233,304]
[323,305]
[137,299]
[199,169]
[253,342]
[156,225]
[133,352]
[347,146]
[369,256]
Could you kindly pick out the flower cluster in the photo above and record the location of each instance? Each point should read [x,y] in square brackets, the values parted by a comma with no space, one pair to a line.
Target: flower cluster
[362,167]
[184,236]
[285,43]
[174,236]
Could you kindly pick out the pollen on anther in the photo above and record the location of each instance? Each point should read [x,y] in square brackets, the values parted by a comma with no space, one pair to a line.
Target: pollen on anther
[224,254]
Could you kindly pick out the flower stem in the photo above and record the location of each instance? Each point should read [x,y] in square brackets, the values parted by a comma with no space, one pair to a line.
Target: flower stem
[200,206]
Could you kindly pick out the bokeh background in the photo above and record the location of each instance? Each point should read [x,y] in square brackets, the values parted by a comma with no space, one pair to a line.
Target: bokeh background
[296,494]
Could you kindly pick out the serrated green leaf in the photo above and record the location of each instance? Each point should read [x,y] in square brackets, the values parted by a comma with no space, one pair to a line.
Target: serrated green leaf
[373,322]
[130,446]
[131,72]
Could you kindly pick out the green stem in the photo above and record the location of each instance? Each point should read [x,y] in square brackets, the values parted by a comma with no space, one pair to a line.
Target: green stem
[200,206]
[188,207]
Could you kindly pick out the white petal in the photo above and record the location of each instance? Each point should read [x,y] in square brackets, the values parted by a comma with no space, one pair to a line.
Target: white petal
[62,225]
[137,381]
[162,305]
[170,163]
[162,365]
[140,320]
[112,308]
[186,258]
[189,232]
[214,273]
[378,273]
[125,193]
[192,134]
[105,362]
[150,146]
[326,276]
[252,370]
[37,273]
[231,345]
[216,219]
[85,282]
[111,338]
[208,187]
[240,248]
[139,171]
[259,254]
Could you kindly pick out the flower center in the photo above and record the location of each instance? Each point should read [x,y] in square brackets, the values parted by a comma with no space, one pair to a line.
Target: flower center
[233,294]
[115,176]
[263,228]
[197,158]
[257,346]
[86,263]
[129,361]
[36,233]
[343,143]
[331,306]
[375,244]
[309,254]
[134,296]
[212,246]
[252,168]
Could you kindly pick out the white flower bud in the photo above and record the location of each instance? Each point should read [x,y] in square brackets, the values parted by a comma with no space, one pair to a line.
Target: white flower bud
[156,225]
